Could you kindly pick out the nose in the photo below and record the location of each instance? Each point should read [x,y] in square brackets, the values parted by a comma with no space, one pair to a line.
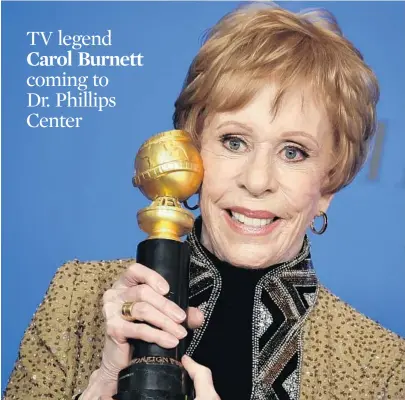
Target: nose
[259,175]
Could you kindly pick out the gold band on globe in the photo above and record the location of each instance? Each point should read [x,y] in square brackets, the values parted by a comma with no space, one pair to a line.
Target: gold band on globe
[168,170]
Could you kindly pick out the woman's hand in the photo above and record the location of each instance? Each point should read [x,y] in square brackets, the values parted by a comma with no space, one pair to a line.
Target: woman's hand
[147,289]
[202,379]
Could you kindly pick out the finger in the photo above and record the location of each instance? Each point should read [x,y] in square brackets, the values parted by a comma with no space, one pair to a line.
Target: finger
[145,312]
[202,379]
[195,318]
[147,334]
[137,273]
[144,293]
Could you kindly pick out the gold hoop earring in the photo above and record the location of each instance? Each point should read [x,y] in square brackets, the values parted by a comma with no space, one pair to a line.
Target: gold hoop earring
[324,224]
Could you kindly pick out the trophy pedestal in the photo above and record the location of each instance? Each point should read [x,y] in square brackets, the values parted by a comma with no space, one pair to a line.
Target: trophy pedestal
[169,378]
[156,373]
[151,395]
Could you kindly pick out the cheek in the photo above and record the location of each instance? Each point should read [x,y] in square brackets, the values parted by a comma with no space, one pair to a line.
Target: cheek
[211,189]
[300,188]
[219,176]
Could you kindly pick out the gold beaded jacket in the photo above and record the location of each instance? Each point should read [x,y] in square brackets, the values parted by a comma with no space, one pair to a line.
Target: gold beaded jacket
[337,352]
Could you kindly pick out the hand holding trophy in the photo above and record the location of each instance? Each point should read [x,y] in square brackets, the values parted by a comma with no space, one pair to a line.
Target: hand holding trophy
[168,170]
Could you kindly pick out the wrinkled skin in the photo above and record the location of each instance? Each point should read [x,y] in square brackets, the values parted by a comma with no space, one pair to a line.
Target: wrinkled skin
[252,159]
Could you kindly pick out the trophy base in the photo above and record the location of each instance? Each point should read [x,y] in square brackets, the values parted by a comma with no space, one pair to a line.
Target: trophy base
[156,373]
[149,395]
[141,380]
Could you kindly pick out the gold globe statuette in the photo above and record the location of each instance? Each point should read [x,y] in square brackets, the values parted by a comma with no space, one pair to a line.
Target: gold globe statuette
[168,170]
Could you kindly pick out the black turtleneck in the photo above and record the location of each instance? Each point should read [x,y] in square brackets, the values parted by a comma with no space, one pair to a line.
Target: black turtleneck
[250,313]
[226,346]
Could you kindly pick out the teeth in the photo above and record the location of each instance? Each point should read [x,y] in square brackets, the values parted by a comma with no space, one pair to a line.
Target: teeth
[255,222]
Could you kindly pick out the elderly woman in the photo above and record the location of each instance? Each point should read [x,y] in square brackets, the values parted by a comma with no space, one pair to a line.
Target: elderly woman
[282,108]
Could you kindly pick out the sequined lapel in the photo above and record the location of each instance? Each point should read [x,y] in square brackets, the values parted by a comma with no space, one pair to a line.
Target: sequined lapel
[283,299]
[205,286]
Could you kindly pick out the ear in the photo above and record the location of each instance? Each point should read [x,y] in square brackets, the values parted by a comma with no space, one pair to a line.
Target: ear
[324,202]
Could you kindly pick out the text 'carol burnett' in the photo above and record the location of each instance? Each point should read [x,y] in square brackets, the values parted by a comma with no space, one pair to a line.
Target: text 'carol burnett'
[84,59]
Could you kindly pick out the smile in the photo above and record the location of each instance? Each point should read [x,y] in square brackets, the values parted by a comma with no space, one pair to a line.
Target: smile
[255,222]
[249,222]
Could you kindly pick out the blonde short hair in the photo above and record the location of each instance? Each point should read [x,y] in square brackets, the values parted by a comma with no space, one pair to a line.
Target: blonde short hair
[265,42]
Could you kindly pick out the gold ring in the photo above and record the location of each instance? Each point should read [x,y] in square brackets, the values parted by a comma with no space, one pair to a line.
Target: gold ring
[126,311]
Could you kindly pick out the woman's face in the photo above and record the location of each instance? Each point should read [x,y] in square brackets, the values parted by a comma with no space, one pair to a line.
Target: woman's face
[263,178]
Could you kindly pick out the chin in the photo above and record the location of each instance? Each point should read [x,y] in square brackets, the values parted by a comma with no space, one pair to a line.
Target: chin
[250,256]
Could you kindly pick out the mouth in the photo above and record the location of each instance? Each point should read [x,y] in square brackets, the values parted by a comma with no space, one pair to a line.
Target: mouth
[252,220]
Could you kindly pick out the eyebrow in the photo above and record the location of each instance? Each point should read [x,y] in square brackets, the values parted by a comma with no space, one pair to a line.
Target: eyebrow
[283,135]
[300,134]
[239,124]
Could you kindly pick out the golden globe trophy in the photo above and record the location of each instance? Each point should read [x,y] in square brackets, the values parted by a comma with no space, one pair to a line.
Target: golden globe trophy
[168,170]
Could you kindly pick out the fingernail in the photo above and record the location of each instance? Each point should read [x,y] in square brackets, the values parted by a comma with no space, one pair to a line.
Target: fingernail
[181,332]
[172,341]
[179,314]
[163,287]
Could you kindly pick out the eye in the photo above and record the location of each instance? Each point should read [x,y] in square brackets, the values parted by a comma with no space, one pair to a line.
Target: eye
[233,143]
[294,154]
